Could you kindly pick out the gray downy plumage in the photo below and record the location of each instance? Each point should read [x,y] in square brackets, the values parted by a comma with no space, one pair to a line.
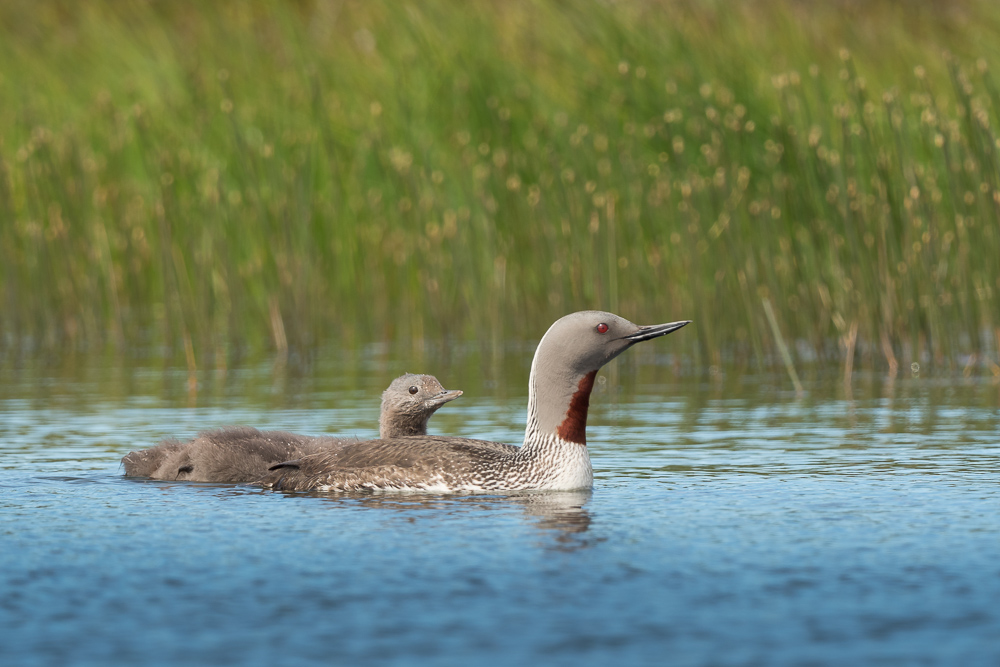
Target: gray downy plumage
[241,454]
[554,454]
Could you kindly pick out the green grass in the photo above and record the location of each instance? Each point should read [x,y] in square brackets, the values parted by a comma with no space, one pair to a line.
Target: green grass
[214,176]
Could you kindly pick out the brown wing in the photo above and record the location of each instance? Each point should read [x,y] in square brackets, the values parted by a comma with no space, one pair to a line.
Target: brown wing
[396,463]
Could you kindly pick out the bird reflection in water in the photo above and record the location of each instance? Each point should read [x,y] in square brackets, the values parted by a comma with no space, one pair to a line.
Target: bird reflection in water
[557,514]
[562,512]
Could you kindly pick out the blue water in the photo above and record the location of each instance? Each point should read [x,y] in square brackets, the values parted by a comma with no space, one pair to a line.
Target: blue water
[731,523]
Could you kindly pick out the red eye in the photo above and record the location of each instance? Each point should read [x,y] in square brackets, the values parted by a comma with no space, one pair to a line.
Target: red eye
[602,328]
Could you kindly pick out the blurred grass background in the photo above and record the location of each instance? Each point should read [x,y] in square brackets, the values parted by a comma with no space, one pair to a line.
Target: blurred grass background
[255,174]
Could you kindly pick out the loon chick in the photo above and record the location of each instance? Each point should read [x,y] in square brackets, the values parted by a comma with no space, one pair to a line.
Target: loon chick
[241,454]
[554,454]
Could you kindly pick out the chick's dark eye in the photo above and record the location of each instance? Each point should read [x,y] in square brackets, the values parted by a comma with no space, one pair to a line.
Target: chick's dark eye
[602,328]
[414,389]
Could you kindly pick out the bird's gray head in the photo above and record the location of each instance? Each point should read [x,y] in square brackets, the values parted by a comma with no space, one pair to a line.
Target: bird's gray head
[567,359]
[587,340]
[409,402]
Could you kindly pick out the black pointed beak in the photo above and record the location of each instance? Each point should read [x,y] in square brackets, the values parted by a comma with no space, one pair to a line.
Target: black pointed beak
[445,396]
[655,331]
